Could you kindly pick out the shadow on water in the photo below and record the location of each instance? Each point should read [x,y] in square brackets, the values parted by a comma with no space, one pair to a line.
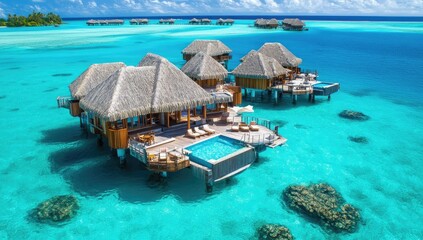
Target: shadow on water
[94,171]
[67,134]
[61,75]
[2,97]
[50,89]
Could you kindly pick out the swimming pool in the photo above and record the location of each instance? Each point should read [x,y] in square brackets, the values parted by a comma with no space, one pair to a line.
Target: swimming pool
[213,149]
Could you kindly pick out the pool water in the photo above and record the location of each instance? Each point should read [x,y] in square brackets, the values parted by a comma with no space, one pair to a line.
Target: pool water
[213,148]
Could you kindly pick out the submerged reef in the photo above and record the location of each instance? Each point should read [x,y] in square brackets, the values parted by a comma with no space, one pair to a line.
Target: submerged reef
[56,209]
[352,115]
[322,203]
[274,232]
[363,140]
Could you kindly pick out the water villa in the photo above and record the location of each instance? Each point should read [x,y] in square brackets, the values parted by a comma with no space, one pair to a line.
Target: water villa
[169,21]
[228,21]
[258,71]
[285,57]
[293,24]
[214,48]
[211,75]
[255,75]
[93,22]
[266,23]
[140,21]
[151,111]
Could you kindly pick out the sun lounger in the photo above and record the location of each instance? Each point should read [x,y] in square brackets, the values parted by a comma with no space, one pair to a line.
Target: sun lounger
[253,127]
[192,134]
[201,132]
[235,127]
[244,127]
[208,129]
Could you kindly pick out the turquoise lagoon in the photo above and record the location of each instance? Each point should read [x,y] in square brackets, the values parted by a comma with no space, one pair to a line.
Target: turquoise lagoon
[43,152]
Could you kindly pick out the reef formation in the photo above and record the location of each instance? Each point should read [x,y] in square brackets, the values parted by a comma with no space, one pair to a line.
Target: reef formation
[324,204]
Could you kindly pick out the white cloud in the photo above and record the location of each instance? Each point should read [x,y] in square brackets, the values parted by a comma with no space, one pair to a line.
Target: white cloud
[36,8]
[77,1]
[2,15]
[38,1]
[92,4]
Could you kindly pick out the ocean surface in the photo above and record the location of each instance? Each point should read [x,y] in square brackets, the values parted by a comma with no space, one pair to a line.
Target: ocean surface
[43,152]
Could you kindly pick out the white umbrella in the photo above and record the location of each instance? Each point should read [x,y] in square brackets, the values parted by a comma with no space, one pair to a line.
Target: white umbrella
[248,108]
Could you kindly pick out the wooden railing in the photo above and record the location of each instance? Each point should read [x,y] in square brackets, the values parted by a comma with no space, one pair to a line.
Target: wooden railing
[233,163]
[63,102]
[258,139]
[260,121]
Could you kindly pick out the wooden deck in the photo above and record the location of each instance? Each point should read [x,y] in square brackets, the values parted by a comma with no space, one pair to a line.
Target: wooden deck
[181,141]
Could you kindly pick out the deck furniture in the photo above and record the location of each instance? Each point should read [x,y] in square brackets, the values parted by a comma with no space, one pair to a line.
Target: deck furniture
[201,132]
[192,134]
[243,127]
[208,129]
[253,126]
[163,154]
[235,127]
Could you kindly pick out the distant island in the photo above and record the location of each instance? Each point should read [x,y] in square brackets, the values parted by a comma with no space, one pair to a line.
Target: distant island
[34,19]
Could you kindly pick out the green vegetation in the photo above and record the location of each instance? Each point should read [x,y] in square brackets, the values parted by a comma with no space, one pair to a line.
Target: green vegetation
[2,22]
[33,19]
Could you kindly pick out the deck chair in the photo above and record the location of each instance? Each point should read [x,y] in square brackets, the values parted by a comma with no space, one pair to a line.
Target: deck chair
[192,134]
[253,126]
[244,127]
[201,132]
[208,129]
[163,154]
[235,127]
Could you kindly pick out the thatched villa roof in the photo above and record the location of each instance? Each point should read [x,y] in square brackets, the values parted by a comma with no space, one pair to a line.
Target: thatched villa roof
[155,86]
[258,65]
[210,47]
[248,54]
[273,21]
[293,22]
[281,54]
[202,67]
[90,78]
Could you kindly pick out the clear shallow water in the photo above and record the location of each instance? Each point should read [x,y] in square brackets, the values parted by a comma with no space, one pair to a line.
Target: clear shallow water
[44,153]
[214,148]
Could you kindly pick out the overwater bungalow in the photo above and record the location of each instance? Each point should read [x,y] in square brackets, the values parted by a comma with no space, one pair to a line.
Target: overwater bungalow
[210,75]
[169,21]
[205,21]
[105,22]
[205,70]
[228,21]
[293,24]
[194,21]
[266,23]
[247,55]
[258,71]
[139,21]
[148,109]
[285,57]
[214,48]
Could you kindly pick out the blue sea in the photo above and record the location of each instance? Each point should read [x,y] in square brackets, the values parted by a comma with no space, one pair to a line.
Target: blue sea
[43,152]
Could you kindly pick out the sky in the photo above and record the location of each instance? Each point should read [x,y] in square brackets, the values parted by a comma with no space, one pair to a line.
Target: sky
[93,8]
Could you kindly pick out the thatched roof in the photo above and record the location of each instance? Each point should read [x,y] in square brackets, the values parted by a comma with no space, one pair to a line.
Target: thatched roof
[272,21]
[281,54]
[258,65]
[293,22]
[210,47]
[248,54]
[91,77]
[202,67]
[155,86]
